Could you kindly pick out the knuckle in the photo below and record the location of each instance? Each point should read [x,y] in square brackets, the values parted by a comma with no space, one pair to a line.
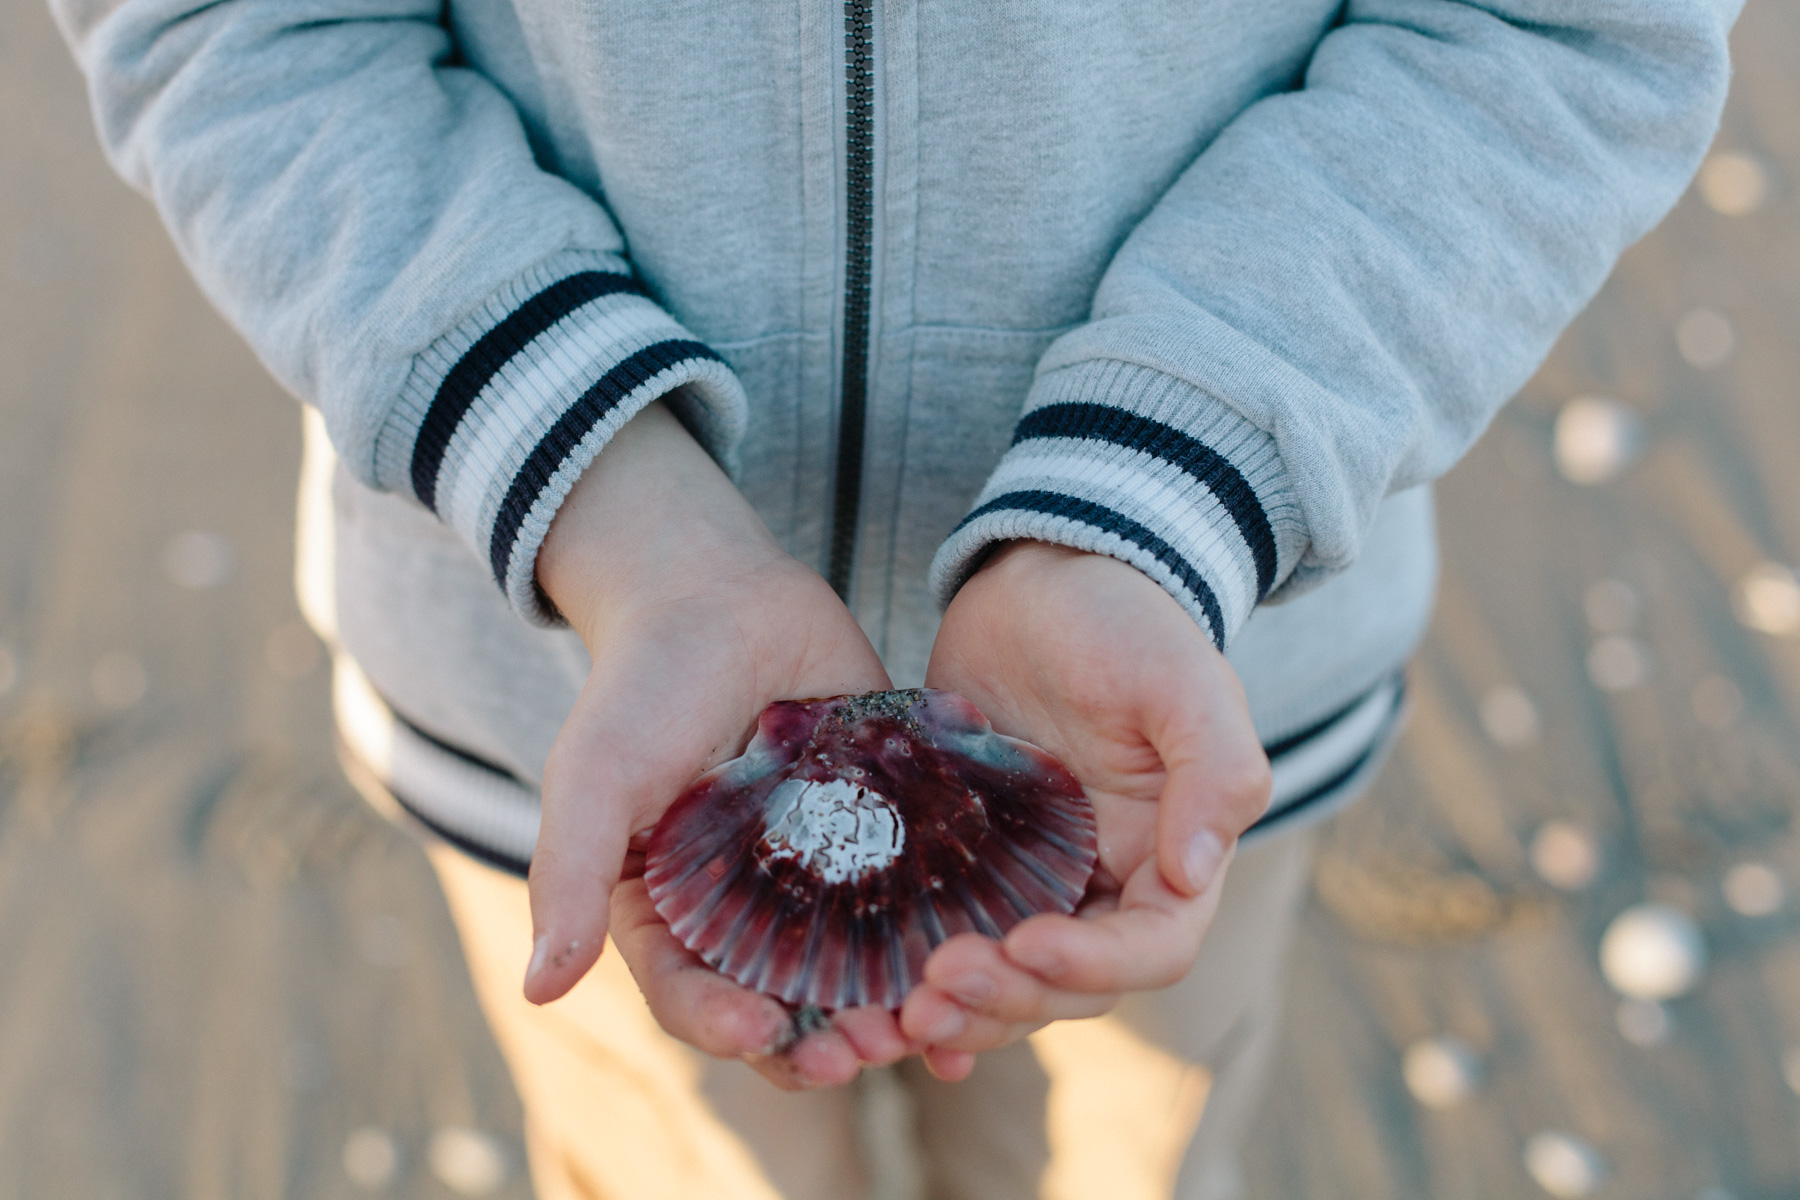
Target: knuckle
[1247,784]
[1167,974]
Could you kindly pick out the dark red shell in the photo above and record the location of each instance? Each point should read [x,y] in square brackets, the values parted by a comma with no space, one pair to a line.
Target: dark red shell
[855,834]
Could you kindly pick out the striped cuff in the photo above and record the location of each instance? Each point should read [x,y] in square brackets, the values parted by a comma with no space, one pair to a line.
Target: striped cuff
[501,415]
[1123,460]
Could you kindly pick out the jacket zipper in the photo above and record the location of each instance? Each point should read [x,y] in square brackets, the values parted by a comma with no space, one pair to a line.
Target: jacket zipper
[859,239]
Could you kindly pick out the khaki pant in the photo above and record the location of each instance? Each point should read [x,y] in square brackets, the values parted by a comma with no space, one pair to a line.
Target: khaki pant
[1146,1103]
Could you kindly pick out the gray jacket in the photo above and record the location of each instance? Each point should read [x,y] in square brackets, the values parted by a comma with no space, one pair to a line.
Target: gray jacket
[1212,286]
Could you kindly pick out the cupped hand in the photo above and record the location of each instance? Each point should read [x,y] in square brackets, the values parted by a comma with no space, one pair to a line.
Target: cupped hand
[1087,657]
[696,621]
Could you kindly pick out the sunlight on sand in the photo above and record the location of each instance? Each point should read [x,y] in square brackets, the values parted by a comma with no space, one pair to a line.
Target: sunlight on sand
[1121,1111]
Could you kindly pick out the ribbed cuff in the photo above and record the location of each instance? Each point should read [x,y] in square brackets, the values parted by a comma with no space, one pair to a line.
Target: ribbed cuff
[1122,460]
[501,415]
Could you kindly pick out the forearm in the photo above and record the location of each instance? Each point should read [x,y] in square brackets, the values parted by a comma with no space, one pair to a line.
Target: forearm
[1334,298]
[650,519]
[372,218]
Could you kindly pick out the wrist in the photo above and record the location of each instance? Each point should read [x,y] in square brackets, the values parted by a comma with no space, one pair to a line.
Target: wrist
[653,518]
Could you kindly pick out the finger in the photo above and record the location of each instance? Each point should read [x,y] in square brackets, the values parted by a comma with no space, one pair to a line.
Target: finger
[875,1035]
[973,973]
[952,1066]
[689,999]
[1149,941]
[616,763]
[818,1060]
[1216,784]
[953,1027]
[932,1016]
[572,873]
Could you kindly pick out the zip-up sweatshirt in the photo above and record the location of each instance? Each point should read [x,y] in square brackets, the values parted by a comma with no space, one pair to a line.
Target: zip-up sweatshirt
[1216,287]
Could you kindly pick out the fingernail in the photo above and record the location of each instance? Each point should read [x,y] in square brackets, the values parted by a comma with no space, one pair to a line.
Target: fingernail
[1039,959]
[1204,854]
[973,988]
[948,1025]
[540,953]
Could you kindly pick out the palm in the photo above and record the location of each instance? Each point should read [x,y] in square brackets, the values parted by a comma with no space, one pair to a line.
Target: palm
[695,620]
[675,690]
[1089,659]
[1118,768]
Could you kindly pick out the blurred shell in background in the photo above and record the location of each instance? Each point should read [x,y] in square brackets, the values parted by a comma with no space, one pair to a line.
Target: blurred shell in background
[1767,599]
[1732,184]
[1564,855]
[1509,717]
[468,1161]
[1596,438]
[1653,952]
[1754,889]
[1441,1072]
[1563,1165]
[371,1159]
[1705,337]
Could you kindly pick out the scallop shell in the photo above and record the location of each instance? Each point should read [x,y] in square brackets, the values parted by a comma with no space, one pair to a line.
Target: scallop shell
[856,833]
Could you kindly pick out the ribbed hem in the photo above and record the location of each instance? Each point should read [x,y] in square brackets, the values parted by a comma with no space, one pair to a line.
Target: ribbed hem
[1122,460]
[501,415]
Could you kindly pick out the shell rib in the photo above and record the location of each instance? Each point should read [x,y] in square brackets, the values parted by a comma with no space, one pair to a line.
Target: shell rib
[856,833]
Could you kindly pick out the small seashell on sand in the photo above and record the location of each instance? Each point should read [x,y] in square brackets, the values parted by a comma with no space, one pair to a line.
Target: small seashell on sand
[1595,439]
[855,834]
[1616,663]
[1510,717]
[1563,1165]
[1441,1072]
[1754,889]
[371,1159]
[1767,599]
[1733,184]
[468,1161]
[1705,337]
[1653,952]
[1564,855]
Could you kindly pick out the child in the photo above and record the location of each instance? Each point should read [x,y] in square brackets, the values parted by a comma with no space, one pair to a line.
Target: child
[730,341]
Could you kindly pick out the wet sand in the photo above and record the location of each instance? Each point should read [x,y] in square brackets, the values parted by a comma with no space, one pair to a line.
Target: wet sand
[216,965]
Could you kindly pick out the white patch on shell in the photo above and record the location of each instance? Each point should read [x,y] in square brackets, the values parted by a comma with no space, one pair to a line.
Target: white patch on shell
[838,830]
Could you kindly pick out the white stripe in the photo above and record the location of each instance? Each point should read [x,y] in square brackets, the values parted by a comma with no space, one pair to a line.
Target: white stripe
[1207,536]
[470,801]
[521,569]
[518,406]
[1333,750]
[396,441]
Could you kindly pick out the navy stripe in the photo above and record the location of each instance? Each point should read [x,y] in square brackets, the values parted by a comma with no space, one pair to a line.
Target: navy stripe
[1055,504]
[1205,465]
[479,851]
[489,353]
[1326,789]
[455,751]
[547,457]
[1293,740]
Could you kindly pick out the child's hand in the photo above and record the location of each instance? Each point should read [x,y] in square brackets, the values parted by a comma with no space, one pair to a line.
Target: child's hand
[696,620]
[1087,657]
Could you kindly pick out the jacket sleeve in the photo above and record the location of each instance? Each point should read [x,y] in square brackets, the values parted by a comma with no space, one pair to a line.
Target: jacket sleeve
[371,217]
[1334,298]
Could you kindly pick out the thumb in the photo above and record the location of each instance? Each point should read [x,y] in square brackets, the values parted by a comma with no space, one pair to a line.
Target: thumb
[614,766]
[580,852]
[1216,785]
